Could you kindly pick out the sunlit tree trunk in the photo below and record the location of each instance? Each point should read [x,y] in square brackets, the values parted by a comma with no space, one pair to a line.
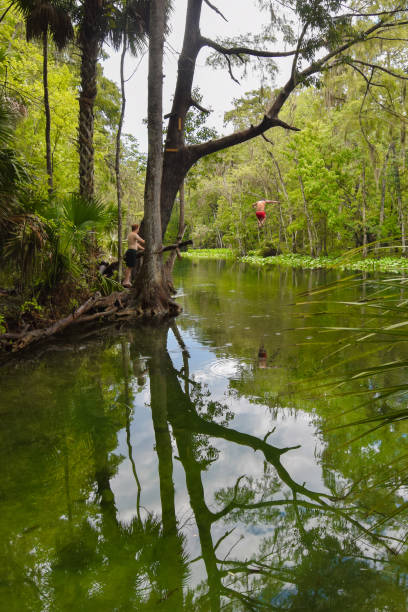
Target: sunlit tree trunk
[397,185]
[180,233]
[383,192]
[153,292]
[117,156]
[364,210]
[48,156]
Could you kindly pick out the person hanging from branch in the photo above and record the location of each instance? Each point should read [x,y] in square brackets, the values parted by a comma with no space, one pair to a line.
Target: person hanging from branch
[135,244]
[259,207]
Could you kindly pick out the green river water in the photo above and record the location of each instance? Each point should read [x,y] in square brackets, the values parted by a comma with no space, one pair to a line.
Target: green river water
[203,465]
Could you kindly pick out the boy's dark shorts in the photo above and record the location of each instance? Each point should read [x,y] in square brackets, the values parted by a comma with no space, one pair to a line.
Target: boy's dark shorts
[131,258]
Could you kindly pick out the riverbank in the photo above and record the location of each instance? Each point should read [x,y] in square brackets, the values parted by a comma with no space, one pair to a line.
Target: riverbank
[345,262]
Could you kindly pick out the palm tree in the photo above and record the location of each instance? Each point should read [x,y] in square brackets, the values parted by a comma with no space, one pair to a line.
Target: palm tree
[44,18]
[95,25]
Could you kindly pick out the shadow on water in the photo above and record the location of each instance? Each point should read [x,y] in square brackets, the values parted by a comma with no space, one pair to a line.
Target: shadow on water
[64,545]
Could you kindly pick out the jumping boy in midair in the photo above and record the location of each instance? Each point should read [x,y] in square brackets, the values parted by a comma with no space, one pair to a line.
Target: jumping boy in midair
[260,210]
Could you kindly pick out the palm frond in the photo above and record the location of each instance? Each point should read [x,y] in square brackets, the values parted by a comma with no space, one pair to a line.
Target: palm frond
[85,214]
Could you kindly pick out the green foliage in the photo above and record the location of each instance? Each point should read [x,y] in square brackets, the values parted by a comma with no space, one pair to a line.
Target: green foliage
[30,305]
[384,264]
[106,285]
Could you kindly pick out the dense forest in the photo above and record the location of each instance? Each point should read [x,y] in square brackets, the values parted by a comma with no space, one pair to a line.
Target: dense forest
[70,178]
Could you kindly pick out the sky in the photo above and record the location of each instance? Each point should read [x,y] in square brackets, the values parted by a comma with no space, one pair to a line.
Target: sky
[217,87]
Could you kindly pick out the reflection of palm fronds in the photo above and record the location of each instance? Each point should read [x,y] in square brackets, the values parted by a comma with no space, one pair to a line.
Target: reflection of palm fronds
[159,559]
[372,327]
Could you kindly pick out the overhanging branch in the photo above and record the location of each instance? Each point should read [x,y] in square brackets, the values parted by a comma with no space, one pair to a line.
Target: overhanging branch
[214,8]
[207,42]
[212,146]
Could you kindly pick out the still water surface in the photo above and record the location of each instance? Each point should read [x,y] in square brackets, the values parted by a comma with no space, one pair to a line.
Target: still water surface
[200,466]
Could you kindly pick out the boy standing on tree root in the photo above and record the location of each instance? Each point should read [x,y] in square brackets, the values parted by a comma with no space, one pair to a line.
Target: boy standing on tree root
[135,243]
[260,210]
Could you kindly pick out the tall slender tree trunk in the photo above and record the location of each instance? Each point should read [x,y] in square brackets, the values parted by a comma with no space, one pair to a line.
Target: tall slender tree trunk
[364,210]
[308,219]
[89,42]
[117,156]
[401,212]
[403,133]
[382,201]
[154,295]
[48,156]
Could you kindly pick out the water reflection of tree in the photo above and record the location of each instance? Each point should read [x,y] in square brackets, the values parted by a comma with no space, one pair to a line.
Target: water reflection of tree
[319,559]
[72,550]
[317,548]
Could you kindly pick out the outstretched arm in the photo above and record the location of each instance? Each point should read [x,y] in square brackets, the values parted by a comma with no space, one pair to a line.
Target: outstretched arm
[271,201]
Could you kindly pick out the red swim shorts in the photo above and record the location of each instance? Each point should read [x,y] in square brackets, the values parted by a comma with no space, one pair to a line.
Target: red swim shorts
[260,214]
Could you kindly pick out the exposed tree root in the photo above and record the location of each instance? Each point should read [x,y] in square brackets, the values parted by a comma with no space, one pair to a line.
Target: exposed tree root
[116,306]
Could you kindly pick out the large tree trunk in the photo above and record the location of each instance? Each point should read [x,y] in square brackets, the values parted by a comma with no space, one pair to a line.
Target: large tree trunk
[153,294]
[117,157]
[176,253]
[177,159]
[48,156]
[89,42]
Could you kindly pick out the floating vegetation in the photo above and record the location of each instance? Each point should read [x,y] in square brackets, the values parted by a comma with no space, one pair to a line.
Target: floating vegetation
[384,264]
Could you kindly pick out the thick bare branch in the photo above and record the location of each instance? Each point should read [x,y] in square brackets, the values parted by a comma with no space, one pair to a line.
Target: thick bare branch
[271,120]
[212,146]
[207,42]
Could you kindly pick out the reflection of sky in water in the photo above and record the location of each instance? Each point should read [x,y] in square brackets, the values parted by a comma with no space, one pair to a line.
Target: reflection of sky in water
[234,460]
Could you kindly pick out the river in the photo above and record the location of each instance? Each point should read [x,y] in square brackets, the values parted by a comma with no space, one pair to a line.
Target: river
[224,462]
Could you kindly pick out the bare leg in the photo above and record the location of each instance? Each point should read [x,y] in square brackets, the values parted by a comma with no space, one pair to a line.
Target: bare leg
[126,280]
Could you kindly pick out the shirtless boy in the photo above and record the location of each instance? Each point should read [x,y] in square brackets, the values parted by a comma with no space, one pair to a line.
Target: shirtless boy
[260,210]
[135,243]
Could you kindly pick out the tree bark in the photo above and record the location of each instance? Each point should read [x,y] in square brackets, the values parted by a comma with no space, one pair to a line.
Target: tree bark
[176,252]
[154,296]
[117,156]
[383,191]
[89,42]
[47,113]
[364,210]
[401,212]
